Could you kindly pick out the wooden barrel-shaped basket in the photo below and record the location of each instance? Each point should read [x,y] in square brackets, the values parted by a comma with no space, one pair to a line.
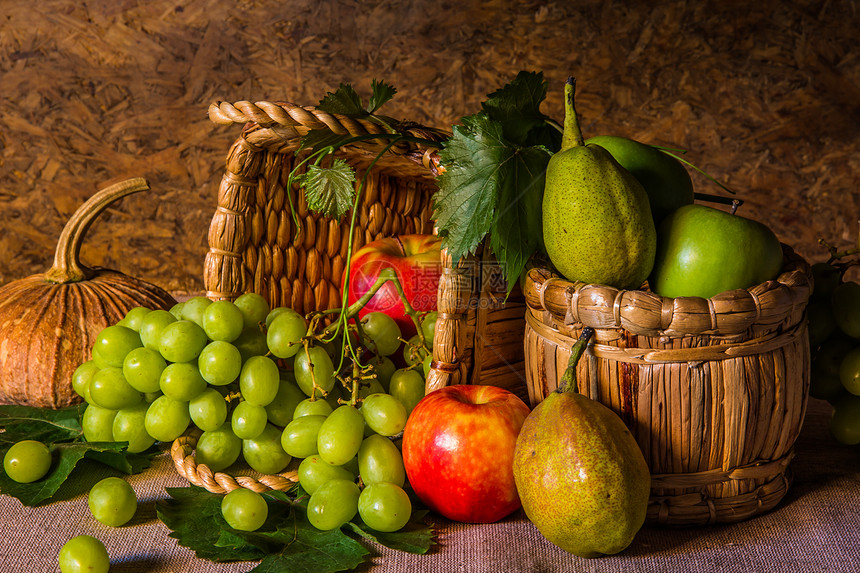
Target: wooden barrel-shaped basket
[714,390]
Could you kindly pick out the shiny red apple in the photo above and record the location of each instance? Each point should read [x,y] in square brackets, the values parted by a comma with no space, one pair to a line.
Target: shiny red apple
[417,261]
[458,450]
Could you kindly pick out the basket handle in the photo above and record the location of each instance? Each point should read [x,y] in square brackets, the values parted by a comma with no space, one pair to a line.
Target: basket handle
[293,122]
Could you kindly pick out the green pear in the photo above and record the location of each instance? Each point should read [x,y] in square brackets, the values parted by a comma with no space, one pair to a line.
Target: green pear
[665,179]
[597,223]
[580,474]
[703,251]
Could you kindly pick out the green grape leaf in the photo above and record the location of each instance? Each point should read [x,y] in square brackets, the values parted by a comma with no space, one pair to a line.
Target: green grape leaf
[344,101]
[382,93]
[415,537]
[329,190]
[66,457]
[286,543]
[517,107]
[43,424]
[490,187]
[61,431]
[495,165]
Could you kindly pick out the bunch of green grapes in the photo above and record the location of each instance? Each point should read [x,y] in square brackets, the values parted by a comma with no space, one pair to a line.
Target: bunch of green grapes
[265,387]
[834,336]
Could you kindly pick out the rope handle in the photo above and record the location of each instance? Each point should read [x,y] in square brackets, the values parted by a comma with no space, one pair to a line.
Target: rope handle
[181,452]
[293,122]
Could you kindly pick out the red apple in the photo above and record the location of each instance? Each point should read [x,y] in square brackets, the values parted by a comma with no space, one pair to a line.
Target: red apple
[458,450]
[417,261]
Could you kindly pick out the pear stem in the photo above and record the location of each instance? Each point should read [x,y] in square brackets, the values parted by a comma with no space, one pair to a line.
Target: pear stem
[567,383]
[572,134]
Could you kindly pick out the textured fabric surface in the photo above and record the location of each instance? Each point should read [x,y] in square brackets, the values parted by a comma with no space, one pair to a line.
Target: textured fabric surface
[815,529]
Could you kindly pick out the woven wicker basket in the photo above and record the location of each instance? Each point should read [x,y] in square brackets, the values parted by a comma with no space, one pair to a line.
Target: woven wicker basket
[253,247]
[714,390]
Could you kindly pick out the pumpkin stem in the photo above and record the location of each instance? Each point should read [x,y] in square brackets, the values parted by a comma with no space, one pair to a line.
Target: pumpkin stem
[67,267]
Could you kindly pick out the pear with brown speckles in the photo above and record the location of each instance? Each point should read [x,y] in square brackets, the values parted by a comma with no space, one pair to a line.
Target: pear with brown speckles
[580,475]
[597,222]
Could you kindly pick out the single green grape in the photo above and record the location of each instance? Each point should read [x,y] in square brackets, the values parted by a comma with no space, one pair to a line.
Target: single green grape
[97,423]
[218,449]
[259,380]
[384,333]
[134,317]
[340,435]
[825,382]
[83,554]
[849,371]
[428,327]
[166,419]
[244,509]
[383,367]
[369,387]
[384,413]
[275,313]
[379,460]
[333,504]
[384,506]
[251,342]
[846,307]
[129,425]
[152,325]
[223,320]
[27,461]
[414,352]
[826,278]
[299,438]
[112,501]
[208,409]
[181,381]
[820,322]
[312,407]
[109,389]
[142,369]
[314,471]
[285,332]
[280,410]
[407,386]
[426,365]
[248,420]
[313,368]
[254,308]
[265,453]
[219,363]
[194,308]
[82,375]
[114,342]
[845,420]
[181,341]
[176,310]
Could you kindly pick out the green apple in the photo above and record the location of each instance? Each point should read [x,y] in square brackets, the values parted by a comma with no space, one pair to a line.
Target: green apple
[664,178]
[703,251]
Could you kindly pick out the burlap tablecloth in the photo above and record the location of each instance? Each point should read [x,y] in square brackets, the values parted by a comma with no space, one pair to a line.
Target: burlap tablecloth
[816,529]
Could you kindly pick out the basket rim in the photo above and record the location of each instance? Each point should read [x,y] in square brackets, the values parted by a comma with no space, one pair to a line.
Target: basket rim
[639,311]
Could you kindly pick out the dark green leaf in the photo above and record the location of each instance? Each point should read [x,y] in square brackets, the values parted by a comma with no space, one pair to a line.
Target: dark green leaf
[287,542]
[516,231]
[517,107]
[61,431]
[329,190]
[344,101]
[382,93]
[415,537]
[43,424]
[309,550]
[468,192]
[66,457]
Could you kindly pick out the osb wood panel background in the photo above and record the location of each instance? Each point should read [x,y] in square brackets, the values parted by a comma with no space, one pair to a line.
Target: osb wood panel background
[764,95]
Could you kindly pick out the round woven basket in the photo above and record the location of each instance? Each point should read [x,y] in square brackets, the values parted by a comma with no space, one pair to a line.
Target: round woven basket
[714,390]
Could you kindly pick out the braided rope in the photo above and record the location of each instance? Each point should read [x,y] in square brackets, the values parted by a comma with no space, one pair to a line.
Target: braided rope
[181,451]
